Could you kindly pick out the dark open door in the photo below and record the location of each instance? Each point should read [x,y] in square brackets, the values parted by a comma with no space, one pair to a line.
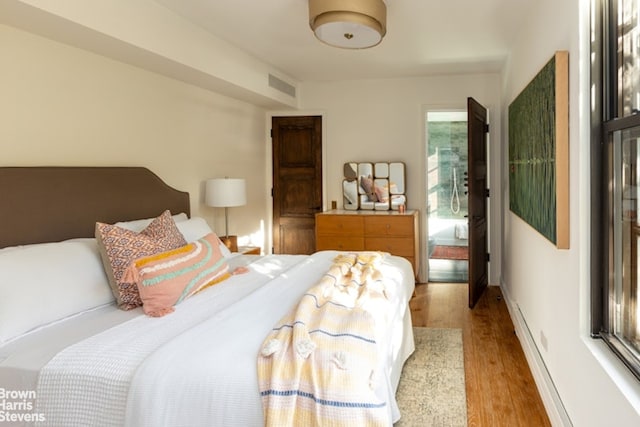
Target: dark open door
[297,182]
[477,130]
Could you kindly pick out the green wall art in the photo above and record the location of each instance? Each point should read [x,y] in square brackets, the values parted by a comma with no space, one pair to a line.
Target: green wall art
[539,152]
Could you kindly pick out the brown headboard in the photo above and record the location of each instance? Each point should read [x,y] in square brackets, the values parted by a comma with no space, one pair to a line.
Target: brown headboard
[48,204]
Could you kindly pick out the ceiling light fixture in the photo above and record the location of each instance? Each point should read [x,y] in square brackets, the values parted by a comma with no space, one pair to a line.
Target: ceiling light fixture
[350,24]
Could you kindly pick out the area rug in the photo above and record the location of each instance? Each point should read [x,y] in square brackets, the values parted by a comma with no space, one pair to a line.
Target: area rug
[432,390]
[450,252]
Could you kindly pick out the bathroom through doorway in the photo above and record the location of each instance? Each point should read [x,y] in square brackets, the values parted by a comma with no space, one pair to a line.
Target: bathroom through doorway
[447,201]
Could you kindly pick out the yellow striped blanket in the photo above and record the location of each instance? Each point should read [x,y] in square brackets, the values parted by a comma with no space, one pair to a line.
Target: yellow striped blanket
[318,366]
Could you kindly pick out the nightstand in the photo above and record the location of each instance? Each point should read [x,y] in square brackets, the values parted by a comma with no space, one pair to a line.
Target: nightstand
[249,250]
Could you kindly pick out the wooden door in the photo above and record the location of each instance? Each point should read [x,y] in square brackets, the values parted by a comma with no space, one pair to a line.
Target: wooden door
[297,182]
[477,130]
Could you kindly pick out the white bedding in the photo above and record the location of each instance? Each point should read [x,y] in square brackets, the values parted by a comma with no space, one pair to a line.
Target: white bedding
[197,366]
[22,359]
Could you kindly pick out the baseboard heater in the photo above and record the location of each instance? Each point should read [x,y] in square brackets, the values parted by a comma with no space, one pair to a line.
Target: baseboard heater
[550,397]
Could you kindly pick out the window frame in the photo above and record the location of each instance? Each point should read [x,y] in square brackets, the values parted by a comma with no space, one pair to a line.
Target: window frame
[606,121]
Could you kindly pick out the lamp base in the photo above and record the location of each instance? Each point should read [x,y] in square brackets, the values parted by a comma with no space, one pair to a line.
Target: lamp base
[231,242]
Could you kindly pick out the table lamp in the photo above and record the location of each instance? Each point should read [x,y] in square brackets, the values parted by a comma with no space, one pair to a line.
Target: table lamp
[226,193]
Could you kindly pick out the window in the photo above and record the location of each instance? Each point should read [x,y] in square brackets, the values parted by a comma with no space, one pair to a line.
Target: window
[616,162]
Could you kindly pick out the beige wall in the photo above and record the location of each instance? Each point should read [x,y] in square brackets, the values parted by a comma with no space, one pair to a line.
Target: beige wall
[383,120]
[165,43]
[548,289]
[65,106]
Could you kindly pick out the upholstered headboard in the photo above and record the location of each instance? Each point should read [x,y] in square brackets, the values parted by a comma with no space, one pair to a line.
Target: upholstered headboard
[48,204]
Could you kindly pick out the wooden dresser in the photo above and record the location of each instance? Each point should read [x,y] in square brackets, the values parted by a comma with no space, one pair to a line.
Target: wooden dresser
[387,231]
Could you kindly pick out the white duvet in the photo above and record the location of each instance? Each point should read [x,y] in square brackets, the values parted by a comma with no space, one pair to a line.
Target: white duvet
[197,366]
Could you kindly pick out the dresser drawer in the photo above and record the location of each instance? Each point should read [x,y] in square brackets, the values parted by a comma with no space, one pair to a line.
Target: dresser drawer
[340,243]
[339,224]
[389,232]
[401,246]
[389,226]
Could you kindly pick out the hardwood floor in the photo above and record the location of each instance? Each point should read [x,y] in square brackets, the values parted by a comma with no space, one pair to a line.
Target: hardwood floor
[499,385]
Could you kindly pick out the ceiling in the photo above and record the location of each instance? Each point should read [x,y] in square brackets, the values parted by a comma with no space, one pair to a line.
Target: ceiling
[424,37]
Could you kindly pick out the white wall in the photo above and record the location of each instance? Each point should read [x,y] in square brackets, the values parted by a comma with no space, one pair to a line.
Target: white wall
[383,120]
[64,106]
[548,289]
[167,44]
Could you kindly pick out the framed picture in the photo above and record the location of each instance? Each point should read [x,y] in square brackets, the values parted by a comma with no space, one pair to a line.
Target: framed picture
[539,152]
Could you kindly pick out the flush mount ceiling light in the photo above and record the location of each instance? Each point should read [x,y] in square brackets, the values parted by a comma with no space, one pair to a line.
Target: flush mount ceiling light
[351,24]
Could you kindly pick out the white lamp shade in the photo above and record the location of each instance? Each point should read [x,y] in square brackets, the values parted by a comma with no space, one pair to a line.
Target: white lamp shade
[225,192]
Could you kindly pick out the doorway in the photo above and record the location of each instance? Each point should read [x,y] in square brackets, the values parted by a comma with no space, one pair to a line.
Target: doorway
[447,201]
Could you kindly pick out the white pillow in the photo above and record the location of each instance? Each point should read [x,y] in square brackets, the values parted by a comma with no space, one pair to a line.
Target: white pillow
[45,282]
[196,228]
[138,225]
[193,229]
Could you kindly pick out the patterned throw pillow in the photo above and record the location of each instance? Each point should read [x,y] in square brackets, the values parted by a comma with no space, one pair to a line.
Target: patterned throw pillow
[119,247]
[168,278]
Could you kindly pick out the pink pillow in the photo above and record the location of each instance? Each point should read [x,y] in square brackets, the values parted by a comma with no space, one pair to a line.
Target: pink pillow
[119,247]
[366,182]
[167,278]
[382,193]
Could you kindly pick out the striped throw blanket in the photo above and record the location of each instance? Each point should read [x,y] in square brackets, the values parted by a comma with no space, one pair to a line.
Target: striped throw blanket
[319,365]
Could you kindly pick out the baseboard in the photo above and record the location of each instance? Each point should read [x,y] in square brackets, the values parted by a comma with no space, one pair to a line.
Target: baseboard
[550,397]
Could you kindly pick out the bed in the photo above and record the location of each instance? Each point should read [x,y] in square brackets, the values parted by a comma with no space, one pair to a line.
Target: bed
[68,354]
